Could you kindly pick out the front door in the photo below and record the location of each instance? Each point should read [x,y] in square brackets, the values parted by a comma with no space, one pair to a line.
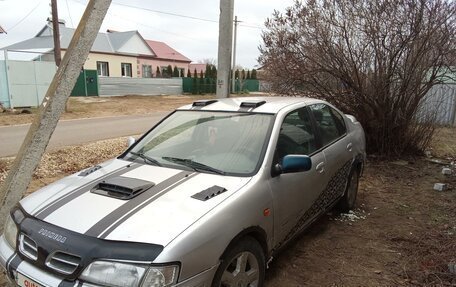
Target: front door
[295,193]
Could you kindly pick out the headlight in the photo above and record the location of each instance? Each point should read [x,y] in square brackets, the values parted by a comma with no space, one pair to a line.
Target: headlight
[117,274]
[161,276]
[10,232]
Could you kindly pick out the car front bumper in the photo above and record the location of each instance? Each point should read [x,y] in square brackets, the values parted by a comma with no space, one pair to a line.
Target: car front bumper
[13,264]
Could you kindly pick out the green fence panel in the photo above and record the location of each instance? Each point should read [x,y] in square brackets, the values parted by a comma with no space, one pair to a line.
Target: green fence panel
[86,84]
[199,86]
[247,86]
[187,85]
[92,82]
[209,86]
[80,87]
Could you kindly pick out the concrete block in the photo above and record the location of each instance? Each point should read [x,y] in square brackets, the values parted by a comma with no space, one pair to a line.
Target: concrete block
[446,171]
[440,186]
[452,268]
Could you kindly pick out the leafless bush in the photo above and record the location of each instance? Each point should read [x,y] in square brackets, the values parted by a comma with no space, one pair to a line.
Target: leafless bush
[373,59]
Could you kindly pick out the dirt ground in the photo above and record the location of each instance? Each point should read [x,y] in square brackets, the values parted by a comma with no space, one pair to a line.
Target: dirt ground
[89,107]
[402,233]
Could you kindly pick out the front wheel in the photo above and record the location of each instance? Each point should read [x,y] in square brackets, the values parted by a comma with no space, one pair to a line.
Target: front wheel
[242,266]
[347,202]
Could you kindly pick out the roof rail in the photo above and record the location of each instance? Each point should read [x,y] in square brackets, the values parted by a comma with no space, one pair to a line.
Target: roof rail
[203,103]
[252,104]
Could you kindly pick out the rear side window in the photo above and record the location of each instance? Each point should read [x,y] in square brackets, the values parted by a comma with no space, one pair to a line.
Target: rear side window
[330,123]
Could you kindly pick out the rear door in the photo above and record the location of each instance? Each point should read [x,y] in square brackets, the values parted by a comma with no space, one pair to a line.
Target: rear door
[337,148]
[295,193]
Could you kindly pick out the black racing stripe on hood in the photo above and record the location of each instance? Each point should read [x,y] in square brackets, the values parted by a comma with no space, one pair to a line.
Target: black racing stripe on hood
[64,199]
[144,204]
[128,209]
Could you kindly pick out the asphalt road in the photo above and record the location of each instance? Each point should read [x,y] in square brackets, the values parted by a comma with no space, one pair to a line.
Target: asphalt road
[74,132]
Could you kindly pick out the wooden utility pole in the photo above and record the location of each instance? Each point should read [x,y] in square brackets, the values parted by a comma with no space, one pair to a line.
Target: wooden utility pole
[56,32]
[225,43]
[37,139]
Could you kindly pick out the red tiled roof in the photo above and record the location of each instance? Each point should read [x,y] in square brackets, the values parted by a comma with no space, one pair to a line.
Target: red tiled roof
[2,30]
[164,51]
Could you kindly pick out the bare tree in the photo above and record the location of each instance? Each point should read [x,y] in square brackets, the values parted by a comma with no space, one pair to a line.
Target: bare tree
[373,59]
[210,61]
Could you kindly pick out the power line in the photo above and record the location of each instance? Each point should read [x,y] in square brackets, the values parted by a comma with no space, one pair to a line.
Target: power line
[251,26]
[145,25]
[166,13]
[25,17]
[179,15]
[69,13]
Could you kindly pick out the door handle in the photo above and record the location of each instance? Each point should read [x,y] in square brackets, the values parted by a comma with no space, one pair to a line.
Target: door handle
[349,147]
[320,167]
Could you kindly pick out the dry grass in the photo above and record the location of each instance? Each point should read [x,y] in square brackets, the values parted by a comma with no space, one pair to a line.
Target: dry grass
[444,143]
[68,160]
[89,107]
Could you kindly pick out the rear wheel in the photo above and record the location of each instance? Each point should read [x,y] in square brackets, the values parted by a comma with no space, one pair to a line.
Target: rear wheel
[242,266]
[347,202]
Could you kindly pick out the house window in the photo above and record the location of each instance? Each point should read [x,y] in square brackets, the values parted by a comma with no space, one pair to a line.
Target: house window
[103,69]
[147,71]
[126,69]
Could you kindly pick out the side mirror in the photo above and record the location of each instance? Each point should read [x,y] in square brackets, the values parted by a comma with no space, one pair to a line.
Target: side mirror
[130,141]
[296,163]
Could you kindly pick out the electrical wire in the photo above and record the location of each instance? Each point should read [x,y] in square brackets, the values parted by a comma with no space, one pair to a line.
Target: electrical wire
[147,26]
[69,13]
[166,13]
[179,15]
[25,17]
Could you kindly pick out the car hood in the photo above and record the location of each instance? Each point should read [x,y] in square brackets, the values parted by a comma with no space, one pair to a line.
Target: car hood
[157,215]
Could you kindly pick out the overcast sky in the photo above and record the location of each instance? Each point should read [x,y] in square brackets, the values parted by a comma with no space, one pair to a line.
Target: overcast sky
[196,39]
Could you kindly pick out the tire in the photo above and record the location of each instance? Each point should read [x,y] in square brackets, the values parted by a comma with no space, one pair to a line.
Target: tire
[242,265]
[347,202]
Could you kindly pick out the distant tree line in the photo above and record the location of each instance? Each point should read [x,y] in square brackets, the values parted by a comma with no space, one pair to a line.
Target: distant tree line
[209,73]
[205,82]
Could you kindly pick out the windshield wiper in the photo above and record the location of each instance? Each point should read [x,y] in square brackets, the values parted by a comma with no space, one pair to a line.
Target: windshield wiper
[193,164]
[146,158]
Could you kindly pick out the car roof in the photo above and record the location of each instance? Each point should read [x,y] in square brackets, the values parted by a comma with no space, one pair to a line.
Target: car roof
[271,104]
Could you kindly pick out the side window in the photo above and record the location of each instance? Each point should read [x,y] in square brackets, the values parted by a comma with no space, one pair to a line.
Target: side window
[329,122]
[296,135]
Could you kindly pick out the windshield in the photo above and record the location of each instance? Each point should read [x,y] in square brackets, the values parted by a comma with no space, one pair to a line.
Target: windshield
[214,142]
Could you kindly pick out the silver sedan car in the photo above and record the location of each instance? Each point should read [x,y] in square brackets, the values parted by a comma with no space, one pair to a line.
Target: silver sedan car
[204,198]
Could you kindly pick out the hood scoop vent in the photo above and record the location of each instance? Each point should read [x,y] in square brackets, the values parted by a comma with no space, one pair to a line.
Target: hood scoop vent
[209,193]
[89,170]
[122,187]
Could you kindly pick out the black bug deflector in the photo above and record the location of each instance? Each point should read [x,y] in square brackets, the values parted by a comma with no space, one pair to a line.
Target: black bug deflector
[50,238]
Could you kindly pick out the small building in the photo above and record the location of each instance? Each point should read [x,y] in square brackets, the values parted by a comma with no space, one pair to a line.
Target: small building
[164,56]
[199,67]
[113,54]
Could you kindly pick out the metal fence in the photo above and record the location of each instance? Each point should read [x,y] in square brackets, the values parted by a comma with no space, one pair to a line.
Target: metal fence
[208,85]
[440,104]
[139,86]
[24,83]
